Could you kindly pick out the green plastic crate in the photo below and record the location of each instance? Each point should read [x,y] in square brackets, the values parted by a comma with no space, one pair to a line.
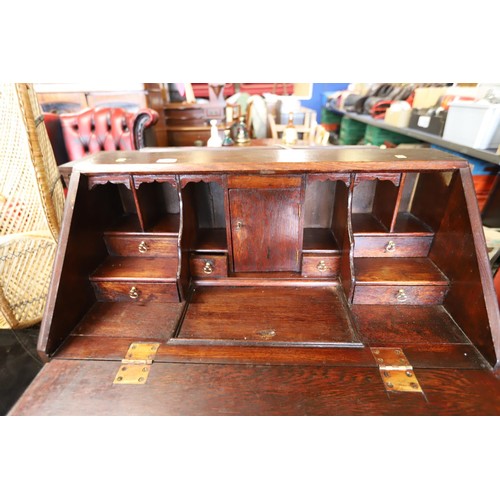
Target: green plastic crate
[328,116]
[375,136]
[351,131]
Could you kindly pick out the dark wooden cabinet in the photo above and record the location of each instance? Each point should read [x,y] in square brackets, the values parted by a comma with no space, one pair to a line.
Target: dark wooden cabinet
[270,282]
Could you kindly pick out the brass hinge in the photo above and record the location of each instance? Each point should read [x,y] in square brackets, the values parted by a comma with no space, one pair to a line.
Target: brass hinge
[395,370]
[136,365]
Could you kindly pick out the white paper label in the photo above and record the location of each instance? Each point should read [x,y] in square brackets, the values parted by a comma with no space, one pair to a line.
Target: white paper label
[166,160]
[424,121]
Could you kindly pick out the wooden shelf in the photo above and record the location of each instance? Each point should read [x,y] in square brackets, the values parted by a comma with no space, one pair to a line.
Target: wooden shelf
[400,271]
[211,240]
[481,154]
[366,223]
[129,224]
[319,240]
[406,223]
[155,269]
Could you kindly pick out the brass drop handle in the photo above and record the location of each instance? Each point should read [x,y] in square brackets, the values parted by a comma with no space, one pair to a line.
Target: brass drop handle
[133,293]
[321,266]
[208,268]
[390,246]
[143,247]
[401,296]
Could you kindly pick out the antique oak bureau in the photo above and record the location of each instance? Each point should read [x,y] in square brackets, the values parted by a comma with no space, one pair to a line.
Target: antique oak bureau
[270,281]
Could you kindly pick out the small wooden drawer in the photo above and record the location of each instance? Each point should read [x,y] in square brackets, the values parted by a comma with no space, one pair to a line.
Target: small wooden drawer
[134,291]
[318,265]
[392,246]
[399,294]
[209,266]
[135,246]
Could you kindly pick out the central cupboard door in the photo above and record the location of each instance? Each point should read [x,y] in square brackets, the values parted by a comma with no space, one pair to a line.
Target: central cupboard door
[265,229]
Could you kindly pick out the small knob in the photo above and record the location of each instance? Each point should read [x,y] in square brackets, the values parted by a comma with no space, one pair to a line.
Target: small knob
[208,268]
[401,296]
[239,225]
[390,246]
[143,247]
[133,293]
[321,266]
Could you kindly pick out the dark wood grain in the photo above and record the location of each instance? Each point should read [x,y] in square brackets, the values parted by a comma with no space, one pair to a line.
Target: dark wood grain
[460,356]
[318,265]
[404,271]
[328,160]
[263,182]
[136,269]
[394,178]
[151,320]
[273,246]
[84,388]
[366,223]
[140,245]
[409,224]
[187,179]
[139,179]
[319,240]
[211,240]
[344,177]
[115,178]
[385,202]
[209,265]
[469,271]
[399,294]
[404,246]
[318,203]
[431,197]
[80,251]
[406,324]
[143,291]
[265,314]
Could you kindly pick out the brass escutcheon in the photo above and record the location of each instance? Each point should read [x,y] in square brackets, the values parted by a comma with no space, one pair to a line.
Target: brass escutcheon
[208,268]
[321,266]
[401,296]
[133,293]
[390,246]
[143,247]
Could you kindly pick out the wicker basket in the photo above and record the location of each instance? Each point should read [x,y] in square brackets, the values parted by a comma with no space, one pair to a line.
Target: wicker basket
[31,206]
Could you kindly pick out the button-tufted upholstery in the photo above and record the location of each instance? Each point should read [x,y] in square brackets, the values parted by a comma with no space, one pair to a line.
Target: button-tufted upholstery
[104,129]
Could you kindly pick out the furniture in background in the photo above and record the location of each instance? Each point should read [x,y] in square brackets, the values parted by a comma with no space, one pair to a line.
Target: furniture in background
[74,135]
[305,125]
[105,129]
[31,206]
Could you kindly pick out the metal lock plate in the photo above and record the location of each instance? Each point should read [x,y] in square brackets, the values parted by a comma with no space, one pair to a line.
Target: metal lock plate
[136,365]
[395,370]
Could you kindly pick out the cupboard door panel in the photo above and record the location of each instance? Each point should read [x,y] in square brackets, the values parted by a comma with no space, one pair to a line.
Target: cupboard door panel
[265,229]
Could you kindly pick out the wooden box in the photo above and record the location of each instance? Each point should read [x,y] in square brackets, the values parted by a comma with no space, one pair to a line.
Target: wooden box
[267,281]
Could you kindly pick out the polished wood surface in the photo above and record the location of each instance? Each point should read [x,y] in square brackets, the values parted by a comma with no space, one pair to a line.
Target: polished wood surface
[270,246]
[405,271]
[263,315]
[271,267]
[63,388]
[213,160]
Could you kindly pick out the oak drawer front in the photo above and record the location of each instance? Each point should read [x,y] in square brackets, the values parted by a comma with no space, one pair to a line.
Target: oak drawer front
[392,246]
[135,291]
[320,265]
[135,246]
[205,266]
[399,294]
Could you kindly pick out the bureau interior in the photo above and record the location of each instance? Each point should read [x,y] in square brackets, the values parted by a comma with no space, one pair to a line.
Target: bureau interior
[299,259]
